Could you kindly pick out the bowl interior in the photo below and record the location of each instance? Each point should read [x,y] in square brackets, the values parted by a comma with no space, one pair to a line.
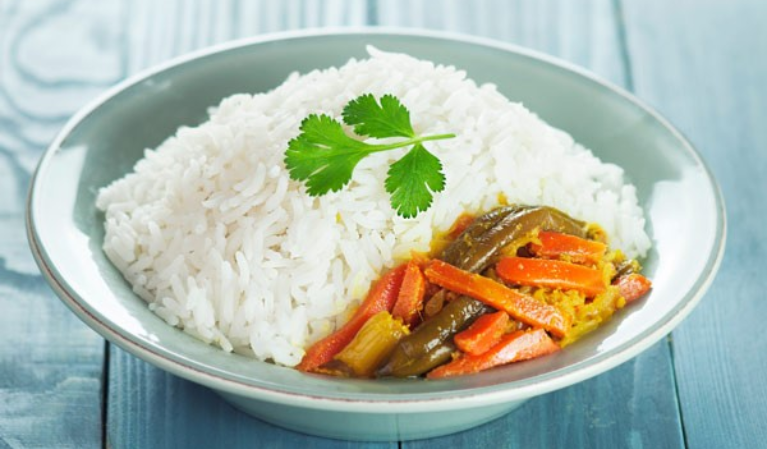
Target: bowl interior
[681,201]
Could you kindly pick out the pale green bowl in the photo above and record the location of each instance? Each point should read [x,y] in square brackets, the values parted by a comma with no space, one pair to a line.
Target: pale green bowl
[684,208]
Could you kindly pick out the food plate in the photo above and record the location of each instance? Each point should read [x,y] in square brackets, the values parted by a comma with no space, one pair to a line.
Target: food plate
[681,200]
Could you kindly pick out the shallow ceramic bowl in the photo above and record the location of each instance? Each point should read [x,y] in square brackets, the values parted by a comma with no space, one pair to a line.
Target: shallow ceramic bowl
[682,202]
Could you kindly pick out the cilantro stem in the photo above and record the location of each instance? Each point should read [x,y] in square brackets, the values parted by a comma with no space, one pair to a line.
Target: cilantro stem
[324,154]
[408,142]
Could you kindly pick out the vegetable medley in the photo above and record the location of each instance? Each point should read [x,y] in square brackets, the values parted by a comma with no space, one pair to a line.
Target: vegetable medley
[517,283]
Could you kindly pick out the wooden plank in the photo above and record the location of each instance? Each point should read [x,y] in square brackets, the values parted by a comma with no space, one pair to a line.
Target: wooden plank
[584,34]
[151,408]
[602,407]
[146,406]
[634,405]
[649,369]
[50,363]
[631,406]
[50,369]
[702,64]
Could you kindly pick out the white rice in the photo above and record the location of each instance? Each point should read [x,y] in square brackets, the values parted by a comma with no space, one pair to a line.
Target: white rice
[213,234]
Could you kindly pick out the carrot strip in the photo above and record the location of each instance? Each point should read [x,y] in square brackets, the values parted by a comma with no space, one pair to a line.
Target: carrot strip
[520,306]
[483,333]
[410,298]
[515,347]
[576,249]
[382,296]
[552,274]
[419,258]
[461,223]
[633,286]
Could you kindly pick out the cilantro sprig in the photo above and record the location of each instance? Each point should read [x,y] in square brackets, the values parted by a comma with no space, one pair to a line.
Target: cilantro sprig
[324,156]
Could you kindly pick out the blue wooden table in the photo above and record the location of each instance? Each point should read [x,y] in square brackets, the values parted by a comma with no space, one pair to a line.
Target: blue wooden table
[702,63]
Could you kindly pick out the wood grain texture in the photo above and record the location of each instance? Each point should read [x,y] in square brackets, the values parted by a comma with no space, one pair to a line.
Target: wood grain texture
[140,396]
[50,370]
[50,362]
[699,63]
[584,33]
[151,408]
[702,63]
[601,410]
[634,405]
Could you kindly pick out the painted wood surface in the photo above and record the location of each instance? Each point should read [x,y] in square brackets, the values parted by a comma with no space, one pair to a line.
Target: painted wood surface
[703,64]
[51,364]
[697,62]
[601,410]
[191,416]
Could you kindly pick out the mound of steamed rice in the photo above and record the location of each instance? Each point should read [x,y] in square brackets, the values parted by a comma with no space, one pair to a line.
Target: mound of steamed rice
[213,234]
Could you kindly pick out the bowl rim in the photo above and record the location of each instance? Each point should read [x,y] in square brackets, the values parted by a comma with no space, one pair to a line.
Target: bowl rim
[383,403]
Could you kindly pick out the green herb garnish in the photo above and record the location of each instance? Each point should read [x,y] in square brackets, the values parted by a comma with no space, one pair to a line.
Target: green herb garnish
[324,156]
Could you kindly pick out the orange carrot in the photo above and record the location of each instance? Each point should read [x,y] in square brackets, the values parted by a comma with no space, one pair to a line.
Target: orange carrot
[410,298]
[461,223]
[633,286]
[483,333]
[515,347]
[419,258]
[551,273]
[382,296]
[520,306]
[577,250]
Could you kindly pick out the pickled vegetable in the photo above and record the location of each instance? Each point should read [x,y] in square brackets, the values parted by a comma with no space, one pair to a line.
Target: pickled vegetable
[372,344]
[478,247]
[568,247]
[482,242]
[521,345]
[517,283]
[632,286]
[381,297]
[426,346]
[521,306]
[483,333]
[410,300]
[552,274]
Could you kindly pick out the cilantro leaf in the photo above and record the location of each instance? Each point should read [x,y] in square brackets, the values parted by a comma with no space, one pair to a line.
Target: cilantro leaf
[412,179]
[323,155]
[389,119]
